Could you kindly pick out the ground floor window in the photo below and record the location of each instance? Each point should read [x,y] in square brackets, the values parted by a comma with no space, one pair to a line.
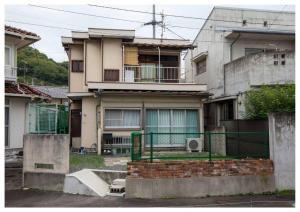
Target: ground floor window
[171,121]
[122,118]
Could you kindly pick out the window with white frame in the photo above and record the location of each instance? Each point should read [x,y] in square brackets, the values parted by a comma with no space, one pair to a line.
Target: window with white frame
[8,56]
[122,118]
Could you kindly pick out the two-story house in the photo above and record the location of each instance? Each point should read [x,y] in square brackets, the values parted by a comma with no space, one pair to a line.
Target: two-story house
[239,49]
[17,95]
[119,83]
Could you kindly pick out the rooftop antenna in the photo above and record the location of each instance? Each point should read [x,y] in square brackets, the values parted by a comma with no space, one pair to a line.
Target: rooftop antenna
[153,22]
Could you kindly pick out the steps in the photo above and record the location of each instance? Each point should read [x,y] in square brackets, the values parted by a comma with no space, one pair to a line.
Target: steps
[117,188]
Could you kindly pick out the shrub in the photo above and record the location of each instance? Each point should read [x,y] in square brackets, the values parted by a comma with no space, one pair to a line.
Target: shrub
[266,99]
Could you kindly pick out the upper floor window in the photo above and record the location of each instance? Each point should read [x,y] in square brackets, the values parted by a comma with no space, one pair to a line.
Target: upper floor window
[201,67]
[265,23]
[77,65]
[8,56]
[111,75]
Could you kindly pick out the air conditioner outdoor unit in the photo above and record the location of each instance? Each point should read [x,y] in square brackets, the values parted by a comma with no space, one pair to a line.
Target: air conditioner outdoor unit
[194,145]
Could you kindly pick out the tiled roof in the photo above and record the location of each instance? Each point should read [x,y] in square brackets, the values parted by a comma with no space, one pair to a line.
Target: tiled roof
[20,31]
[54,91]
[19,88]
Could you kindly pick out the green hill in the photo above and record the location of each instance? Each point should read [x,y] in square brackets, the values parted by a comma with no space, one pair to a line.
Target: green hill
[35,65]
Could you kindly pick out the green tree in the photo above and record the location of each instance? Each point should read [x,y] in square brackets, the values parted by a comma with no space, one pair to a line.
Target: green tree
[277,98]
[44,70]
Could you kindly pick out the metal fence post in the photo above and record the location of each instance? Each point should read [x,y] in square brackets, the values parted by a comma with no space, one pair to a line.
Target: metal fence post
[209,145]
[132,145]
[151,147]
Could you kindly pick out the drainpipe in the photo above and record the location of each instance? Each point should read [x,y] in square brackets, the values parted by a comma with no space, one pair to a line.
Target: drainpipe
[97,125]
[123,71]
[158,64]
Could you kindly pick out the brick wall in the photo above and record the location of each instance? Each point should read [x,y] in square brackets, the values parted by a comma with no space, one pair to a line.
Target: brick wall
[187,169]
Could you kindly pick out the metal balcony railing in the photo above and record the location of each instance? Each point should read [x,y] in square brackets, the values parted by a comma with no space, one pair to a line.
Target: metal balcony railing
[10,73]
[151,73]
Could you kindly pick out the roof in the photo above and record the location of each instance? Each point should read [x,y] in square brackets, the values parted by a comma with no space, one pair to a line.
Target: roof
[19,31]
[59,92]
[174,43]
[25,90]
[128,35]
[252,9]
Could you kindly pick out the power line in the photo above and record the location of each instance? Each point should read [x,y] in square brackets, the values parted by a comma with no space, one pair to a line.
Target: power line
[178,16]
[175,33]
[42,25]
[86,14]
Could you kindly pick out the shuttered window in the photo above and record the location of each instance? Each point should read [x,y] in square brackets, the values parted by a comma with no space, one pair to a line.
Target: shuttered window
[77,65]
[111,75]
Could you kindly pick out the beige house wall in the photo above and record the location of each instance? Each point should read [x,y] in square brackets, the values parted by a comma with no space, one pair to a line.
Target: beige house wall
[112,54]
[91,113]
[77,80]
[93,58]
[88,122]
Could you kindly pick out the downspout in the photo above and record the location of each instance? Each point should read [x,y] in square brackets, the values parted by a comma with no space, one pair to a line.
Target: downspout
[98,118]
[158,64]
[123,71]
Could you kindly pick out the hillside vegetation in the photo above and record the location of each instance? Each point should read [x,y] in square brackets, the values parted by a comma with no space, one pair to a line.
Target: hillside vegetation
[32,64]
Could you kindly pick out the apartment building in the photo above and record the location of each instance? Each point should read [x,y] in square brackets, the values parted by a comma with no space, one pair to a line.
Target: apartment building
[17,95]
[119,83]
[239,49]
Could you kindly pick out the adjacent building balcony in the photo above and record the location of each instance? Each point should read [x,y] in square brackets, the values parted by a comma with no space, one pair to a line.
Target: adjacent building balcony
[265,68]
[10,73]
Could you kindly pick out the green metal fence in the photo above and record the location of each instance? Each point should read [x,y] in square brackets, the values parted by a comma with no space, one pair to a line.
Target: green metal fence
[214,146]
[47,119]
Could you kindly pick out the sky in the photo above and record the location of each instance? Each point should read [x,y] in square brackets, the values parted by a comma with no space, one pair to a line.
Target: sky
[50,43]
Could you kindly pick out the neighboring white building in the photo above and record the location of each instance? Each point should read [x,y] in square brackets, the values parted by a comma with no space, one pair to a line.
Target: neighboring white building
[238,49]
[17,95]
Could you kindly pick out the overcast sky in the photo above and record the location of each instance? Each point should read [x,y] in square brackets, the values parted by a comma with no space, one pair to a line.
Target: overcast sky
[50,42]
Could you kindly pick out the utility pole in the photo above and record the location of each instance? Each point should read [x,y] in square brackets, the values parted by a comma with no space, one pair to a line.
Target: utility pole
[153,22]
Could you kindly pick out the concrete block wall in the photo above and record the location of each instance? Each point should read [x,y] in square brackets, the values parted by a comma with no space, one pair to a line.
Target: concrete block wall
[282,149]
[198,178]
[45,161]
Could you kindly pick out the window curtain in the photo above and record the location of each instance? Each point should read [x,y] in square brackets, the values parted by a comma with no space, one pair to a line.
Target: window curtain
[164,123]
[131,118]
[148,72]
[151,126]
[178,126]
[192,123]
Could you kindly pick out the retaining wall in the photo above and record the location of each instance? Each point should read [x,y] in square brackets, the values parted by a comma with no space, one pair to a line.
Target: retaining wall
[164,179]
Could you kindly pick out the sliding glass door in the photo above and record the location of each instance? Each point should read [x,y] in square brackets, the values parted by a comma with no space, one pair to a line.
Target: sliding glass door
[169,122]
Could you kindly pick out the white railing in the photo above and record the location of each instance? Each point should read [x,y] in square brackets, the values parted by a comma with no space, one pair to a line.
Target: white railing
[10,73]
[151,73]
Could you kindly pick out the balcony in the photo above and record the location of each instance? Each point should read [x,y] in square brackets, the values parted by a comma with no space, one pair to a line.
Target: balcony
[153,74]
[10,73]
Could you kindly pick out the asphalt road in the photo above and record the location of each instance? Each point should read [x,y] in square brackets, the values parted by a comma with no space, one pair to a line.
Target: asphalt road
[35,198]
[16,197]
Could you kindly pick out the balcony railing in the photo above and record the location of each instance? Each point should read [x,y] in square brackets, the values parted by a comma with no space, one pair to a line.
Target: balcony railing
[151,73]
[10,73]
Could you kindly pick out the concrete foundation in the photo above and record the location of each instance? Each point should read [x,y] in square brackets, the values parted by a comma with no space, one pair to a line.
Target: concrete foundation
[44,181]
[198,186]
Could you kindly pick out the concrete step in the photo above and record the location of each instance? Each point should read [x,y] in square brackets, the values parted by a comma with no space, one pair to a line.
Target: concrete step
[85,182]
[119,182]
[116,194]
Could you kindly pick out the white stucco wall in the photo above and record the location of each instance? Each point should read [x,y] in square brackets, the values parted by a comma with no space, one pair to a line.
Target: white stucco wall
[17,121]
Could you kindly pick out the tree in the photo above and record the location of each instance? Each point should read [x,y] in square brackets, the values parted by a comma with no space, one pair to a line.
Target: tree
[266,99]
[34,64]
